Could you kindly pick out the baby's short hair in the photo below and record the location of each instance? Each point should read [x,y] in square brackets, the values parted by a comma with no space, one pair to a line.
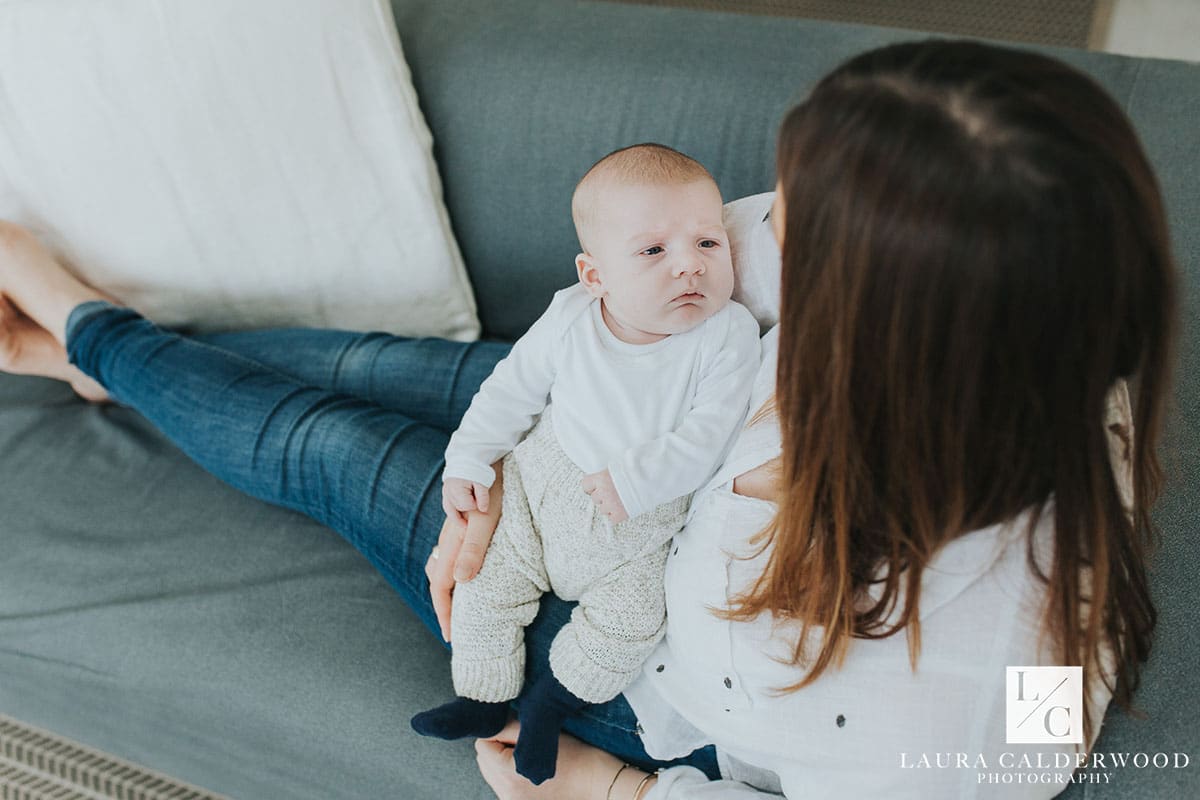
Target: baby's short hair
[646,163]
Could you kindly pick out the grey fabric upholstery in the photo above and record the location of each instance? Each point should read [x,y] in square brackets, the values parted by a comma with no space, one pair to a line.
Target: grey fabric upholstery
[150,611]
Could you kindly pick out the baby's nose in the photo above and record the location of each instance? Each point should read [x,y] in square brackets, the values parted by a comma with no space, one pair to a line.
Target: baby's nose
[689,266]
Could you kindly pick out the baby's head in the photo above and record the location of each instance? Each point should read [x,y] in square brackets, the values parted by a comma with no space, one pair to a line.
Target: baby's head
[654,246]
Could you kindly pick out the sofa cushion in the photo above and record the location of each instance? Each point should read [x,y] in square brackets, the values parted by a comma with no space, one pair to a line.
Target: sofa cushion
[150,611]
[153,612]
[230,164]
[523,97]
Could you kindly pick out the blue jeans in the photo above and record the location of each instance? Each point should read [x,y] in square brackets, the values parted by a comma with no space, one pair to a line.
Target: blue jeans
[348,428]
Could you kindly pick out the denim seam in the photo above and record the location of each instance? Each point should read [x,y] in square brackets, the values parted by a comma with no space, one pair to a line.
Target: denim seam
[457,373]
[606,723]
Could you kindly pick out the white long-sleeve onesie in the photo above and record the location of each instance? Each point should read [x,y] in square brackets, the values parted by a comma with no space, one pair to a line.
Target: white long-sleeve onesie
[658,416]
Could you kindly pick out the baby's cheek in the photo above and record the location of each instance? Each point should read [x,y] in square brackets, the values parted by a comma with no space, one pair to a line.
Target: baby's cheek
[725,283]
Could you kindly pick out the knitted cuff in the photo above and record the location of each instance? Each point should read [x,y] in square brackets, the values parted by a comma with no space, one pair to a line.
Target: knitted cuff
[582,676]
[489,680]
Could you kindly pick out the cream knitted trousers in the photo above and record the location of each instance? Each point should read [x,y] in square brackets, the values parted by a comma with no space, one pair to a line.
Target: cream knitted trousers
[551,537]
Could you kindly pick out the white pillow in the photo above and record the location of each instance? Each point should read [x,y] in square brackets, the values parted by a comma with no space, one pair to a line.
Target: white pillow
[230,164]
[756,257]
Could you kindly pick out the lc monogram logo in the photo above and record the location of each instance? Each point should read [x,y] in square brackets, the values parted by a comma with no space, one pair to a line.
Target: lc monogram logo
[1044,705]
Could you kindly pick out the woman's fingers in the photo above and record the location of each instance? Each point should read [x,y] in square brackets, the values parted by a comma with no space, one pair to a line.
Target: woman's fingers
[491,748]
[451,511]
[583,772]
[440,572]
[479,529]
[495,761]
[462,545]
[474,547]
[508,734]
[494,756]
[442,597]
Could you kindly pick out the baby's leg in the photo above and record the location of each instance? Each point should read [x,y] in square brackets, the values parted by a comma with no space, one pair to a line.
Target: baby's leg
[487,622]
[616,625]
[612,631]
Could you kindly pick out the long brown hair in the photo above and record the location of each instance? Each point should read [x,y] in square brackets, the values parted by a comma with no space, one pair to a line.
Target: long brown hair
[975,249]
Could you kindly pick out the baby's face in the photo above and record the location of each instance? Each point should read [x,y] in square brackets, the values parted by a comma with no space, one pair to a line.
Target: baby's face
[660,256]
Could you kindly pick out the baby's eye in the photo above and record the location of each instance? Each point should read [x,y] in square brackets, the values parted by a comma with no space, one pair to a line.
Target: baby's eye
[652,251]
[709,243]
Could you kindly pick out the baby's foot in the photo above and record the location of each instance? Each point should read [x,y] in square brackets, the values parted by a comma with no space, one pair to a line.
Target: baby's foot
[543,710]
[462,717]
[26,348]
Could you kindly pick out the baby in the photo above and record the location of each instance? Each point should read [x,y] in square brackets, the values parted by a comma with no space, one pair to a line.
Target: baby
[617,404]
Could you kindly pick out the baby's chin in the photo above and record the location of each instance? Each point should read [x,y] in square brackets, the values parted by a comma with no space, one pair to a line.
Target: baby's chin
[685,316]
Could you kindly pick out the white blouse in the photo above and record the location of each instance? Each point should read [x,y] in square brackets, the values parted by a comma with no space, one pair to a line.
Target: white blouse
[858,731]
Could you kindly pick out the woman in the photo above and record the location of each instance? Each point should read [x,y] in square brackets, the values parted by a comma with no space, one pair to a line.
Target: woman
[974,258]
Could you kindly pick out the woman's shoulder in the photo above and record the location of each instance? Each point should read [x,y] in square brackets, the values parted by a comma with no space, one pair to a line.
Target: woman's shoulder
[770,345]
[764,380]
[1001,561]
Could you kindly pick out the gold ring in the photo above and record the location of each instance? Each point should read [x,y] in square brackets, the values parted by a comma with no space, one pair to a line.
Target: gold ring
[433,556]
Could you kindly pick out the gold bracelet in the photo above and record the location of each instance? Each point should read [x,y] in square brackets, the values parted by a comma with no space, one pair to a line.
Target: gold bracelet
[608,794]
[637,793]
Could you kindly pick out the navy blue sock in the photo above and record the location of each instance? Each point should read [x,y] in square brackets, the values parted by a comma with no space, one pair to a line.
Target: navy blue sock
[543,709]
[462,717]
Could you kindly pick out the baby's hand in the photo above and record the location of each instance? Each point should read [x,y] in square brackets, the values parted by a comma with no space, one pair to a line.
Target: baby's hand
[599,486]
[460,496]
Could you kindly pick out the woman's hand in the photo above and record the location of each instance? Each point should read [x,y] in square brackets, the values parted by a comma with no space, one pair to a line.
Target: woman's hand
[583,772]
[460,551]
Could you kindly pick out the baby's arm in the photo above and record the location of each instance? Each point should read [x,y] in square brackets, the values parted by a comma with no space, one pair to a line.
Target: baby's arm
[501,412]
[499,415]
[678,462]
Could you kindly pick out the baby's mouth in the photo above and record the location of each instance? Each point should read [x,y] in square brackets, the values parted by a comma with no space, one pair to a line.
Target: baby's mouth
[689,297]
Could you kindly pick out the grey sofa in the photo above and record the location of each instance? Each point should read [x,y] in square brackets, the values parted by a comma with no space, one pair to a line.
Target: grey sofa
[150,611]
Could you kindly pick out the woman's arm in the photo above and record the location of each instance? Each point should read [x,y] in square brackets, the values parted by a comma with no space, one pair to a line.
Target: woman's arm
[689,783]
[588,773]
[583,772]
[759,482]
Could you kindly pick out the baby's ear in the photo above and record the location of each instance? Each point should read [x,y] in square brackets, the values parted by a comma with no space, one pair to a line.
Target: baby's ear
[589,275]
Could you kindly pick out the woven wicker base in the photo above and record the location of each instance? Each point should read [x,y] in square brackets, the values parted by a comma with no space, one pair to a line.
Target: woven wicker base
[36,765]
